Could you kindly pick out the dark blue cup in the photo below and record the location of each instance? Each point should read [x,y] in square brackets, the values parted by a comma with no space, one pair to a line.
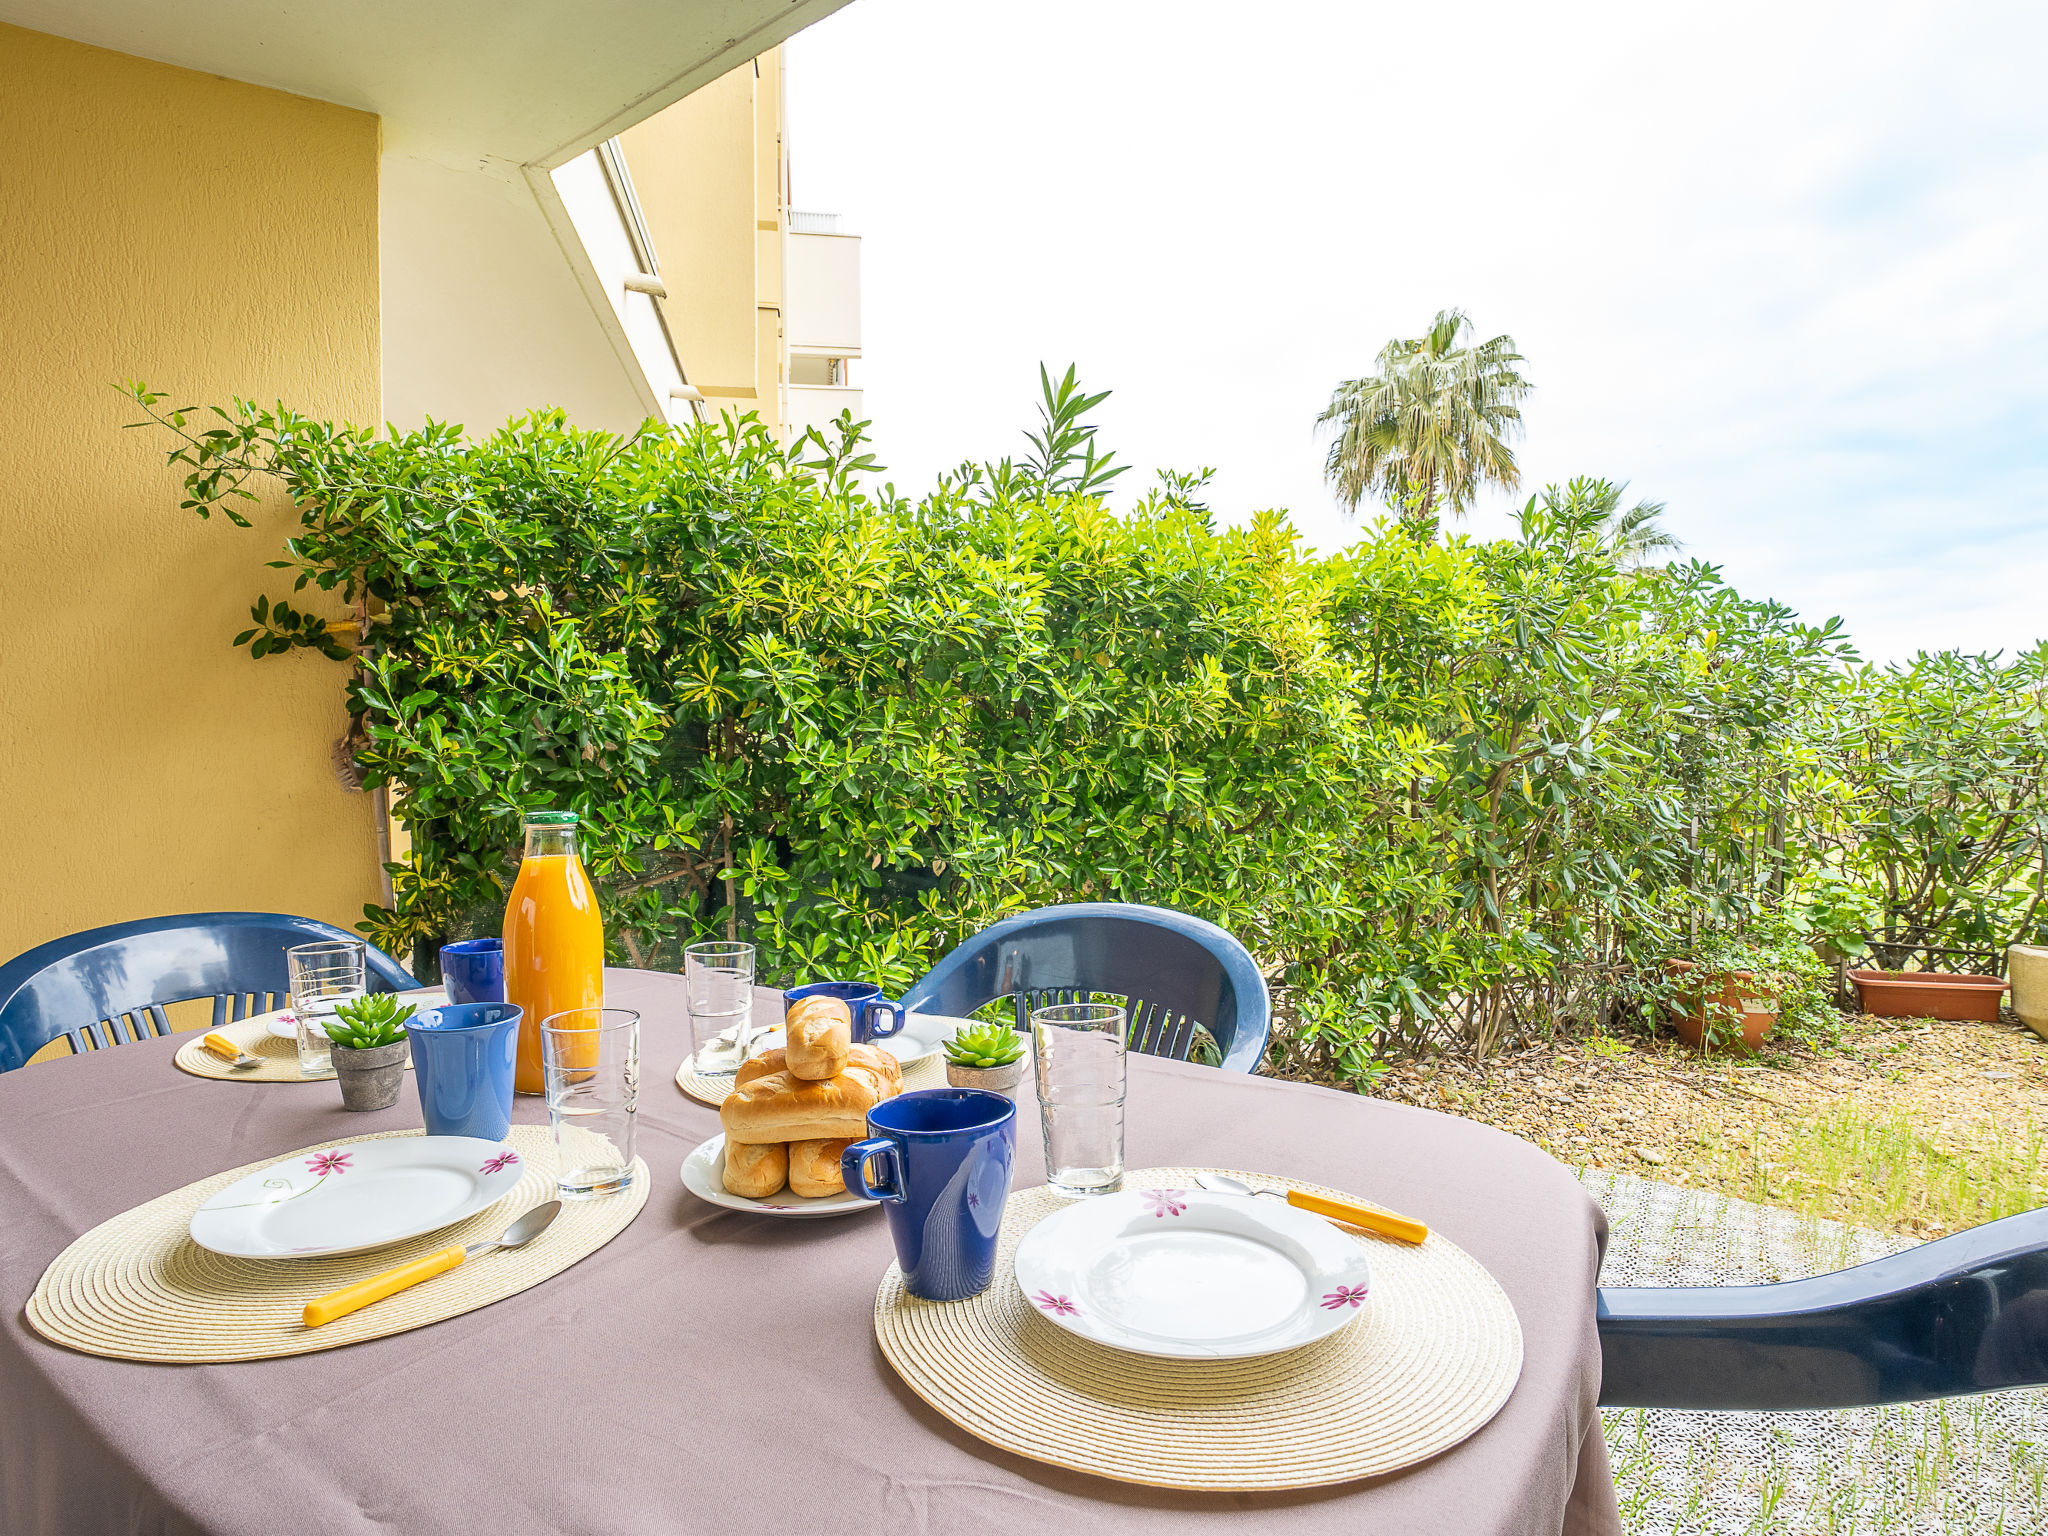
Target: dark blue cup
[462,1059]
[871,1010]
[948,1152]
[473,971]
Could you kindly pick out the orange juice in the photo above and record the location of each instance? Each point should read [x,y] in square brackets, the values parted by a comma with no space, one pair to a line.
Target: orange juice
[554,939]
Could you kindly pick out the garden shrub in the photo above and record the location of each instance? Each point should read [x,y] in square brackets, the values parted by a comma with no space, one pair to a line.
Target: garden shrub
[1443,790]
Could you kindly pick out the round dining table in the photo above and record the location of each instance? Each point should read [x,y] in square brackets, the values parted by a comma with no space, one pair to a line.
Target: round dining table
[711,1370]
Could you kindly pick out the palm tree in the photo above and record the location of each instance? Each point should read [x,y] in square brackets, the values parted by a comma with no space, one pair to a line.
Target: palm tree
[1430,428]
[1636,536]
[1589,508]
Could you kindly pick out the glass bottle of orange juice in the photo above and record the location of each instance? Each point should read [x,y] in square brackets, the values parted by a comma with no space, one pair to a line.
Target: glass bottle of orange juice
[554,940]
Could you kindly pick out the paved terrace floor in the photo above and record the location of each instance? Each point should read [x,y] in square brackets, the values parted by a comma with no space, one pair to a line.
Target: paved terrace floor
[1968,1465]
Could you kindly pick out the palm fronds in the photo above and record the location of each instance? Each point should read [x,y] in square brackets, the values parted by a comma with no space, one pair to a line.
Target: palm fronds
[1431,426]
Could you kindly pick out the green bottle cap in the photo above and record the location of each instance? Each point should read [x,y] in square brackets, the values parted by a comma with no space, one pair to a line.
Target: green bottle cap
[551,818]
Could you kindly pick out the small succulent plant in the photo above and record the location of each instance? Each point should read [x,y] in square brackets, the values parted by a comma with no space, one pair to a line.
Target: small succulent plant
[984,1045]
[369,1022]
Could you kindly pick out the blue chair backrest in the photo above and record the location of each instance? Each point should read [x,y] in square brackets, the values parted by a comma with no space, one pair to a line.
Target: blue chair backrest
[109,985]
[1177,971]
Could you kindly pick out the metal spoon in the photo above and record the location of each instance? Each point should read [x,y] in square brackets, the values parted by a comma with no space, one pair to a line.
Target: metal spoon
[1385,1223]
[353,1298]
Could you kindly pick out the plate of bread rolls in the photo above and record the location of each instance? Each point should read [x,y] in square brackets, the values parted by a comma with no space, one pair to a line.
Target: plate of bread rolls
[793,1110]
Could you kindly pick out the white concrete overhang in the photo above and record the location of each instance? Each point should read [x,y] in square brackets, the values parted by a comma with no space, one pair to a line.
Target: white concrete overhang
[533,82]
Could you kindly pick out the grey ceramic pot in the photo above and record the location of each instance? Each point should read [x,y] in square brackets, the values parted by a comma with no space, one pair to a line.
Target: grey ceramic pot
[371,1079]
[994,1079]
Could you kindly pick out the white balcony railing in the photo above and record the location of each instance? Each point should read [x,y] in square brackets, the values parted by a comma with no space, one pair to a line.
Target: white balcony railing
[813,223]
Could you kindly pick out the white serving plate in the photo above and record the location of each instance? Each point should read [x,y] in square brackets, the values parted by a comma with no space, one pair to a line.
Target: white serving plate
[284,1025]
[353,1198]
[704,1177]
[1189,1275]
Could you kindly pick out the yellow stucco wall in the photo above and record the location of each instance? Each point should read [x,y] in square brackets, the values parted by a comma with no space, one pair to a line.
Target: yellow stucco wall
[215,239]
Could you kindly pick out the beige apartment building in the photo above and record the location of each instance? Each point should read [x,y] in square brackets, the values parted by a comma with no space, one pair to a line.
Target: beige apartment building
[448,211]
[755,306]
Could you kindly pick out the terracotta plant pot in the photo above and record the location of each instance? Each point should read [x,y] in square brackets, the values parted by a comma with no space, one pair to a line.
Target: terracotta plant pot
[994,1079]
[1929,995]
[371,1079]
[1736,990]
[2027,965]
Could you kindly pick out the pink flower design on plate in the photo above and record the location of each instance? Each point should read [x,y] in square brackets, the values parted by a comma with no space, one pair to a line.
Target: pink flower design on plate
[324,1163]
[501,1161]
[1166,1202]
[1058,1305]
[1344,1296]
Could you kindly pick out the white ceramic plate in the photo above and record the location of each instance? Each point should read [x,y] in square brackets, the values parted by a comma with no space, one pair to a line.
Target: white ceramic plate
[1190,1275]
[356,1197]
[704,1177]
[285,1027]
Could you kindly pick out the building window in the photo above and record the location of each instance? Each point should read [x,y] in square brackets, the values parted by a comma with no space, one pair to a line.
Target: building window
[817,371]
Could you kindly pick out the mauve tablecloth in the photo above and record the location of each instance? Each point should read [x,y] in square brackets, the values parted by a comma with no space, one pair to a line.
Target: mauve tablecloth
[710,1371]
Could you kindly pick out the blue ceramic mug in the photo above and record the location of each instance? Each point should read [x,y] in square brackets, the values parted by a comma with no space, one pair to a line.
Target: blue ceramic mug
[462,1059]
[871,1011]
[473,971]
[948,1152]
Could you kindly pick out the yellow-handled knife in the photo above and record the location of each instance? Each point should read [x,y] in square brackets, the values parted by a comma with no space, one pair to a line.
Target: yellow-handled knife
[353,1298]
[1403,1229]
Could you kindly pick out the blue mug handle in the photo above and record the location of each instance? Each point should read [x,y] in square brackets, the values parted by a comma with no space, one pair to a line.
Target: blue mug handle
[853,1167]
[876,1005]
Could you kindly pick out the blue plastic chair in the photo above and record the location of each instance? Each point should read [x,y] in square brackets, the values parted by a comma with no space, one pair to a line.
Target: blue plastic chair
[108,986]
[1177,972]
[1963,1314]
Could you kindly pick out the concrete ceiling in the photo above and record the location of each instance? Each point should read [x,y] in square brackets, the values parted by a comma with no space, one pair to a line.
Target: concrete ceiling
[535,82]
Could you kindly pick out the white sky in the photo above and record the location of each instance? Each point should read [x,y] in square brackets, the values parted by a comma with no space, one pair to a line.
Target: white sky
[1783,266]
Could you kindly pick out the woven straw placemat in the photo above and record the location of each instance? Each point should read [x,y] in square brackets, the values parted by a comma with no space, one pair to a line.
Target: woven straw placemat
[280,1057]
[138,1288]
[1432,1356]
[715,1090]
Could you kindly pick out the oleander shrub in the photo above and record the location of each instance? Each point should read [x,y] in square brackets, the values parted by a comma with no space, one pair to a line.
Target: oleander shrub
[1446,791]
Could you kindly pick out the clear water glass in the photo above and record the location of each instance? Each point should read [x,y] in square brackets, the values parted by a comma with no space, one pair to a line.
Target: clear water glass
[590,1065]
[719,979]
[1081,1072]
[322,977]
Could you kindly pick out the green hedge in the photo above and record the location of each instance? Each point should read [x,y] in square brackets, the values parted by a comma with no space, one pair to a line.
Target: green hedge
[1460,787]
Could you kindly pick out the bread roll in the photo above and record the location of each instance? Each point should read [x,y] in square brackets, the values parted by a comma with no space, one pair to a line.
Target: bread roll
[819,1031]
[777,1060]
[779,1107]
[877,1059]
[814,1167]
[755,1170]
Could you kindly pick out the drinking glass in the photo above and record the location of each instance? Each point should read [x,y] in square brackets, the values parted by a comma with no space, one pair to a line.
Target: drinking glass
[719,978]
[590,1068]
[1080,1053]
[322,977]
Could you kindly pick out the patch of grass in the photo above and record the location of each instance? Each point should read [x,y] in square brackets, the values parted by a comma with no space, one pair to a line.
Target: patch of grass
[1882,1170]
